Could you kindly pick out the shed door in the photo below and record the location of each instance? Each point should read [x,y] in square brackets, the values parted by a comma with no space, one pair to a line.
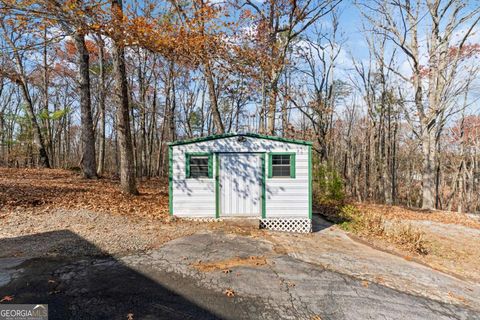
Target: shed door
[240,184]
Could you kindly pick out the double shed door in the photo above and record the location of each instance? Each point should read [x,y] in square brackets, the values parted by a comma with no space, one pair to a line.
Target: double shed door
[240,178]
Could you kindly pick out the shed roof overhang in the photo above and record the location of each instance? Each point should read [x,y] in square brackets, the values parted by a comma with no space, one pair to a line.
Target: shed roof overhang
[229,135]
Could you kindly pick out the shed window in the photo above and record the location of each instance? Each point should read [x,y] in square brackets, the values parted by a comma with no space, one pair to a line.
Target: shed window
[282,165]
[199,165]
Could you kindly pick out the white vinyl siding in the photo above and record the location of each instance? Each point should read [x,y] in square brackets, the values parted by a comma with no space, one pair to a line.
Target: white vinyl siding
[285,196]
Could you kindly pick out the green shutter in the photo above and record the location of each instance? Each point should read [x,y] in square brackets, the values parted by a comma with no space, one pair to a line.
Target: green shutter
[210,165]
[270,174]
[292,165]
[187,165]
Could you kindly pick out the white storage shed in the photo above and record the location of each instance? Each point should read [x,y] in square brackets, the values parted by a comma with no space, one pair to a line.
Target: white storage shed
[243,175]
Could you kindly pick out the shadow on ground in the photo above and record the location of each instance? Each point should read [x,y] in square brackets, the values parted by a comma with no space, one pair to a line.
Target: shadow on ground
[319,223]
[96,286]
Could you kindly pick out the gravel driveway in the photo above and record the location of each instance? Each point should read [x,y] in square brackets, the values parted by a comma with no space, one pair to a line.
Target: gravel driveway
[192,277]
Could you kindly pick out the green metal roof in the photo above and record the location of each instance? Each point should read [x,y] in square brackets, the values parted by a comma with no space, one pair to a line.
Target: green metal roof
[228,135]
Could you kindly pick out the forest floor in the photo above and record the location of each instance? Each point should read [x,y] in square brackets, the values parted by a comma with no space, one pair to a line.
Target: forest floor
[43,200]
[450,239]
[55,214]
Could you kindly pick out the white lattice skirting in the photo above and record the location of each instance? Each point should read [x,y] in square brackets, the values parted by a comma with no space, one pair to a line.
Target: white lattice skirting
[302,225]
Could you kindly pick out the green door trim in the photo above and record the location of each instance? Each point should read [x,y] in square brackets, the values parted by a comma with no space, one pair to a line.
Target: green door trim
[310,182]
[170,180]
[217,183]
[217,186]
[264,198]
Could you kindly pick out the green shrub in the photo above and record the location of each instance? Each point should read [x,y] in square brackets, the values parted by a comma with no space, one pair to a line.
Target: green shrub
[358,222]
[328,185]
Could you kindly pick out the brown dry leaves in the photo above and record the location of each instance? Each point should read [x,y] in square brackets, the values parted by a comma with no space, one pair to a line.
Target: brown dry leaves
[46,189]
[395,212]
[230,263]
[229,293]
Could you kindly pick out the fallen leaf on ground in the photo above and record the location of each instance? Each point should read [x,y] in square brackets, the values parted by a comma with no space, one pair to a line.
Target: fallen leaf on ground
[457,297]
[229,293]
[48,189]
[230,263]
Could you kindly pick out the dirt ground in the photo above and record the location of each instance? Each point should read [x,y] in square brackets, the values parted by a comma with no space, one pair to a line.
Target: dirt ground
[215,275]
[36,201]
[451,238]
[453,248]
[47,189]
[55,214]
[41,200]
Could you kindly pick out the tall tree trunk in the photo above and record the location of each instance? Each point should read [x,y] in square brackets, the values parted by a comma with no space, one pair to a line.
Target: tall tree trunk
[285,106]
[170,104]
[38,138]
[88,164]
[428,172]
[101,106]
[217,119]
[46,118]
[127,167]
[272,107]
[152,130]
[142,145]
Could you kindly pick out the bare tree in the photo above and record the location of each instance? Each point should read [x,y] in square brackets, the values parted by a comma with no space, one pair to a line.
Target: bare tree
[101,103]
[280,23]
[435,84]
[21,79]
[88,161]
[127,164]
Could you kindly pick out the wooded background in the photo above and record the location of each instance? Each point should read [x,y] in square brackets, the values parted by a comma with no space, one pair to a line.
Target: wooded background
[103,86]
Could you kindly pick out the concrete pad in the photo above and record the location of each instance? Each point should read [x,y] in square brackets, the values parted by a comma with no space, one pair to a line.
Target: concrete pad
[253,223]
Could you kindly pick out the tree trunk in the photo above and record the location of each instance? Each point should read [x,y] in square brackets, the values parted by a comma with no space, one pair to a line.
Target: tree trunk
[37,132]
[142,161]
[46,119]
[170,104]
[428,172]
[217,119]
[272,107]
[101,107]
[285,106]
[127,168]
[88,164]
